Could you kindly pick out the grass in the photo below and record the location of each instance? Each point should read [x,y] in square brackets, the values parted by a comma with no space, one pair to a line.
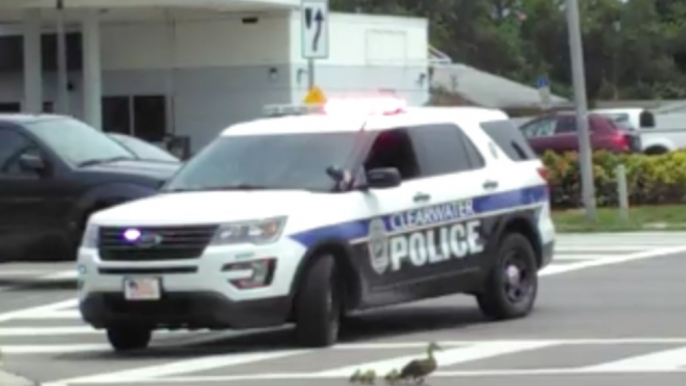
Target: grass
[641,218]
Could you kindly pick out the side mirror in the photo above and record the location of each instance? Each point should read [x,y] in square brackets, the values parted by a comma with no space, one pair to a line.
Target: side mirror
[383,178]
[32,162]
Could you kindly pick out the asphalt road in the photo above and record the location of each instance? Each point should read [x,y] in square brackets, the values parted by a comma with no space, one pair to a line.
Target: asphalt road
[610,312]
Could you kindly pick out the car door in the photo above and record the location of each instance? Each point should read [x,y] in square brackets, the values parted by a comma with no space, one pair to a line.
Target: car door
[382,267]
[24,214]
[456,175]
[566,137]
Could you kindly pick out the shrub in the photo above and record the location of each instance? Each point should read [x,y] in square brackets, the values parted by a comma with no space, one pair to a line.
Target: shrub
[657,179]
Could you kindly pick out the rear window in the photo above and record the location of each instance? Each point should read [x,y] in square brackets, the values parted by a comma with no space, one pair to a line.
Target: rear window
[510,139]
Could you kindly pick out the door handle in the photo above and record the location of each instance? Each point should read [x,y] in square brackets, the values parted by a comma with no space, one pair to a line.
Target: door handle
[421,197]
[490,184]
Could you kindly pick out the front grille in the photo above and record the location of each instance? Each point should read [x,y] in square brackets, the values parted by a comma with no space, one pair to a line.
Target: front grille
[177,243]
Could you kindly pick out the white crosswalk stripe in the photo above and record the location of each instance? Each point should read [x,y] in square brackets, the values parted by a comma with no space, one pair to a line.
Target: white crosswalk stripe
[56,329]
[664,355]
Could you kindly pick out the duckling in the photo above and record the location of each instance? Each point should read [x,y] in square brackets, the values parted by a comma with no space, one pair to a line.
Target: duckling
[418,369]
[356,377]
[392,377]
[369,377]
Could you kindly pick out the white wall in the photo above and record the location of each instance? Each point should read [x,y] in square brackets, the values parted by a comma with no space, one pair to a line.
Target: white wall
[367,53]
[194,44]
[359,40]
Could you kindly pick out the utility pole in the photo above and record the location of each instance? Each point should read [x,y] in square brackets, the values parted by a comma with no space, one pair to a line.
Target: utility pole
[579,80]
[62,81]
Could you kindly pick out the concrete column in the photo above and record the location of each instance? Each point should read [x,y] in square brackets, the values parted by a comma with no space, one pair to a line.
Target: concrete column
[92,73]
[33,70]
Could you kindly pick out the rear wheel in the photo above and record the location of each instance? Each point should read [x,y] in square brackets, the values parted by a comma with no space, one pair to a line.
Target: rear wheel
[318,305]
[511,287]
[125,338]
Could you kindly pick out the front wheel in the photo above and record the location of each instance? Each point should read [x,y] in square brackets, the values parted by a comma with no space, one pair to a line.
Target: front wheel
[318,307]
[511,287]
[125,338]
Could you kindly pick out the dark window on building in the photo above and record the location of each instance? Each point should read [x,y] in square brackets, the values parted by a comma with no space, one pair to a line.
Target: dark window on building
[12,52]
[11,107]
[116,114]
[506,135]
[443,150]
[74,52]
[150,117]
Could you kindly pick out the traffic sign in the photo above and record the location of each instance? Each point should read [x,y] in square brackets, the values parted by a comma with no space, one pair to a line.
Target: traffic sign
[315,96]
[543,86]
[315,29]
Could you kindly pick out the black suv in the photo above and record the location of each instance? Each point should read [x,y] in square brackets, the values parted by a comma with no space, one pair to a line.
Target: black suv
[54,172]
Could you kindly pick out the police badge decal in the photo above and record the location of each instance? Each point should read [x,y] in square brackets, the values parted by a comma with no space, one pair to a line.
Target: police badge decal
[378,246]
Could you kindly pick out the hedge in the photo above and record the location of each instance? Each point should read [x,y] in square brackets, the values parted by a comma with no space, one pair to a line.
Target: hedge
[654,179]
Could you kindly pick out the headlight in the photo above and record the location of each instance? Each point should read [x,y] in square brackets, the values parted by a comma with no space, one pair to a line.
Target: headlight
[90,237]
[256,232]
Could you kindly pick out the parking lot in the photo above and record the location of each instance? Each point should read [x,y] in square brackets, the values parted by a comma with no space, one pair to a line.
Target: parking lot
[609,311]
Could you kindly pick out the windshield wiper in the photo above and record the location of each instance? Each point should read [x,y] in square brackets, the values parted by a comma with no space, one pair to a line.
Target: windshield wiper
[221,188]
[98,161]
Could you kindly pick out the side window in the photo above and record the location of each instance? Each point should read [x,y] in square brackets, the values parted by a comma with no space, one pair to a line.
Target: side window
[566,125]
[445,149]
[394,148]
[540,128]
[512,141]
[12,147]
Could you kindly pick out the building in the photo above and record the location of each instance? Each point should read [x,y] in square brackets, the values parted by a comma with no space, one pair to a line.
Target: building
[192,68]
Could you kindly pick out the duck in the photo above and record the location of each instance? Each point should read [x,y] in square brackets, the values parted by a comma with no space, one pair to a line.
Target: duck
[418,369]
[356,377]
[369,377]
[392,377]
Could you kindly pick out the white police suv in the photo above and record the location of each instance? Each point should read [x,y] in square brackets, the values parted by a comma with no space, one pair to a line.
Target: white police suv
[306,217]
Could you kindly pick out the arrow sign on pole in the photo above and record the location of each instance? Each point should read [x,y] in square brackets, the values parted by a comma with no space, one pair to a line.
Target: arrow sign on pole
[315,29]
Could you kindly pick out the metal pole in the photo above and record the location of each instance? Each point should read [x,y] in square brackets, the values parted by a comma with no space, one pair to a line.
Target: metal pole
[62,82]
[310,74]
[579,80]
[622,193]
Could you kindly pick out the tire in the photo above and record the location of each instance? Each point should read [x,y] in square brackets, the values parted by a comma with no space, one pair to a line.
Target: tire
[495,302]
[128,338]
[318,305]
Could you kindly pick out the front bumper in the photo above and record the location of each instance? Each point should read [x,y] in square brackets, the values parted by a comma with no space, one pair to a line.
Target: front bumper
[196,293]
[192,310]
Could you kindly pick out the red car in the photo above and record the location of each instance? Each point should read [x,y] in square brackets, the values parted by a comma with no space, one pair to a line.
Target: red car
[557,132]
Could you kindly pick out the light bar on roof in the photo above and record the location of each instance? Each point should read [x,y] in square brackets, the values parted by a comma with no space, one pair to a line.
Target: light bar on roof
[365,105]
[281,110]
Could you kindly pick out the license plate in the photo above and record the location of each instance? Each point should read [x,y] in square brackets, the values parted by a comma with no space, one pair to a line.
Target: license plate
[142,289]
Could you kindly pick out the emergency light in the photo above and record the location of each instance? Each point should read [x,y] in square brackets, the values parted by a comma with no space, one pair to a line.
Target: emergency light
[342,106]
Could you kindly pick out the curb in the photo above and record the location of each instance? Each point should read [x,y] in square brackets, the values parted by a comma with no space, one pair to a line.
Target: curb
[9,379]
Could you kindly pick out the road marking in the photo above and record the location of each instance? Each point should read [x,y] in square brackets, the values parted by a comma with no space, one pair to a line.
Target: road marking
[598,248]
[68,314]
[448,357]
[579,341]
[564,268]
[178,367]
[580,257]
[666,360]
[437,374]
[27,312]
[53,348]
[42,331]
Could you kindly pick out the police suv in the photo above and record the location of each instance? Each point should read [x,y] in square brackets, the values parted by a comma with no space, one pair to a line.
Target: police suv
[308,216]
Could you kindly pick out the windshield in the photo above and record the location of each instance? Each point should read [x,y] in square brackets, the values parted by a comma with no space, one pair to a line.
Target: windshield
[76,142]
[280,161]
[144,150]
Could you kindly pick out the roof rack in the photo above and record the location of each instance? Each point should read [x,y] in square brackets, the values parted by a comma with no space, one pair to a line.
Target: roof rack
[281,110]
